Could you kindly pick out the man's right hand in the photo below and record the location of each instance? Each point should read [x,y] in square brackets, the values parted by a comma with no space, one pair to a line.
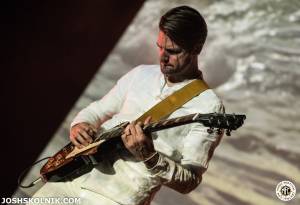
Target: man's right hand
[82,134]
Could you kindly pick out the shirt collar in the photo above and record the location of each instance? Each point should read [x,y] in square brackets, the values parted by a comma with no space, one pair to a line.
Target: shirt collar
[176,86]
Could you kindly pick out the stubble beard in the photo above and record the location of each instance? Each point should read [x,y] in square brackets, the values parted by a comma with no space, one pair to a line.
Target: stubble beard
[167,69]
[178,73]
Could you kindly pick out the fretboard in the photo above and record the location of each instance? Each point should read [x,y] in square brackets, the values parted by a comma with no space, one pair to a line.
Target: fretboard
[169,123]
[152,127]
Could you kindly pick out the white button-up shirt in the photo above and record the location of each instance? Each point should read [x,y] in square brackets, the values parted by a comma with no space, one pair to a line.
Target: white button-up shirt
[184,151]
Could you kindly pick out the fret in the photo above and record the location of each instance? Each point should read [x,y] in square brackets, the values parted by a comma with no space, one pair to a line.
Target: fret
[196,116]
[166,122]
[177,120]
[154,125]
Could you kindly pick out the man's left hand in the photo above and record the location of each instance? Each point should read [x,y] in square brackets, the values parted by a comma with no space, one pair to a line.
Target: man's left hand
[135,140]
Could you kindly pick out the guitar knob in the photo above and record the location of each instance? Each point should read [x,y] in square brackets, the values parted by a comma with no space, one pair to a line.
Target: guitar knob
[210,130]
[234,116]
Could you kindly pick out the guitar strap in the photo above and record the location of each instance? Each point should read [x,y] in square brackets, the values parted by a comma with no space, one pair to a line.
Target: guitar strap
[174,101]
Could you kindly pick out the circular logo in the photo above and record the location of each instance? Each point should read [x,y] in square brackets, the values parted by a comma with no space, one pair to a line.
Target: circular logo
[285,190]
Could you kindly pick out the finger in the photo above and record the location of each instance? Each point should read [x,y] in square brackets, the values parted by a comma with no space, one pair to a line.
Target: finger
[140,136]
[86,136]
[144,139]
[124,139]
[147,120]
[132,128]
[91,133]
[131,141]
[87,127]
[138,128]
[88,130]
[127,131]
[81,139]
[94,129]
[128,143]
[83,126]
[75,142]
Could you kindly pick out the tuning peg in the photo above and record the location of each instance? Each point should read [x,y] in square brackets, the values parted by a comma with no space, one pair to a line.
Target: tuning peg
[219,131]
[228,132]
[210,120]
[210,130]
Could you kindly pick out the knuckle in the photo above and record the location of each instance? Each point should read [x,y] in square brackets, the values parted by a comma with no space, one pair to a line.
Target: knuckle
[130,146]
[140,140]
[79,126]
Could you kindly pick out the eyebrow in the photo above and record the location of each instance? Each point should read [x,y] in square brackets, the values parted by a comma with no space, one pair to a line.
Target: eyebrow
[177,50]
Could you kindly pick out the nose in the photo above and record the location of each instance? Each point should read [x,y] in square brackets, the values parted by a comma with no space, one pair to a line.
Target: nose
[164,56]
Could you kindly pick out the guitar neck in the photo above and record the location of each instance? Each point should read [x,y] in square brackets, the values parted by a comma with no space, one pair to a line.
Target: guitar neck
[152,127]
[228,122]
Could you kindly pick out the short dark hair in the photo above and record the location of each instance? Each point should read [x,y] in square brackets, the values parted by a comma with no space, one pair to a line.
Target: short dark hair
[185,26]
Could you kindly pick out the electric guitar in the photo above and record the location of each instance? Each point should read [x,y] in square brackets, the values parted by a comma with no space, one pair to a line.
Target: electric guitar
[71,162]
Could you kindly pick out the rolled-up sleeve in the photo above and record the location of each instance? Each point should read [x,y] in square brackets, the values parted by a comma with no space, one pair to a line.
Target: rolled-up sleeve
[198,149]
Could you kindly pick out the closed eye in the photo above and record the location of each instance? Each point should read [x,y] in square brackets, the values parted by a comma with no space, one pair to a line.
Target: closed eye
[171,51]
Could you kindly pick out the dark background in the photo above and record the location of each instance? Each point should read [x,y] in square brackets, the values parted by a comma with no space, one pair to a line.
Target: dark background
[50,50]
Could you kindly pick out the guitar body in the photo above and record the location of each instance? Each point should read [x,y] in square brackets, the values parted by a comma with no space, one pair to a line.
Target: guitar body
[59,168]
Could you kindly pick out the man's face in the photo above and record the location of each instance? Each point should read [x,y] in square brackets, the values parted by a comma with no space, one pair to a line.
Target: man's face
[173,59]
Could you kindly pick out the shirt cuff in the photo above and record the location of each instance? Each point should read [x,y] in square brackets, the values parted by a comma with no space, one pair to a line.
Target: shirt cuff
[164,168]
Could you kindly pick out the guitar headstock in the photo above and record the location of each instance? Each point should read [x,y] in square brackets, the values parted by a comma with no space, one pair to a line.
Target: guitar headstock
[220,121]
